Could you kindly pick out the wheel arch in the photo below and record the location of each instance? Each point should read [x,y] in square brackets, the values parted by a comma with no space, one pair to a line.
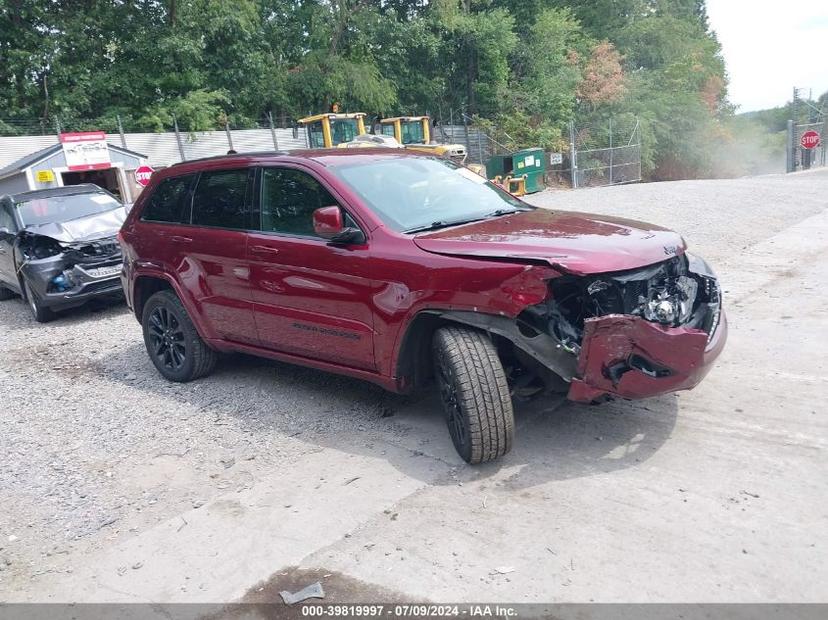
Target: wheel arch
[413,367]
[413,364]
[144,287]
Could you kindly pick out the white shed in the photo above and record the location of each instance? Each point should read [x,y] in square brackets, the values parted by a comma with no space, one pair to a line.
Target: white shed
[48,168]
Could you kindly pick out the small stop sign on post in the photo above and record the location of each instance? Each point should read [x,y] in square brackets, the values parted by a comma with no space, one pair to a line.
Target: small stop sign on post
[810,140]
[143,174]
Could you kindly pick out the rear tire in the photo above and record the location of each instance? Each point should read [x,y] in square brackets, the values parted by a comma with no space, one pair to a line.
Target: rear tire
[172,342]
[474,393]
[40,313]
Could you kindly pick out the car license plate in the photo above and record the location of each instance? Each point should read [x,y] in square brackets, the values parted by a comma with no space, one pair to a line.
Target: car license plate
[103,272]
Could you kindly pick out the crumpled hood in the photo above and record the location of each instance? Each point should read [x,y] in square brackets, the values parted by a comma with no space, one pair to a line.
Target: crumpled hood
[95,226]
[579,243]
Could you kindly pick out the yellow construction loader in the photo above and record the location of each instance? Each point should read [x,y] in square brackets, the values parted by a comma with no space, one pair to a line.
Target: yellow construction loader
[414,132]
[333,129]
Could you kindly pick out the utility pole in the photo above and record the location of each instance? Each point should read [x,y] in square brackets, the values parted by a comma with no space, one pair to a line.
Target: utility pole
[573,155]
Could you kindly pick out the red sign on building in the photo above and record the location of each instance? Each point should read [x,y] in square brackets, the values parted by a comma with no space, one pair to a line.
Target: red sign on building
[86,150]
[810,140]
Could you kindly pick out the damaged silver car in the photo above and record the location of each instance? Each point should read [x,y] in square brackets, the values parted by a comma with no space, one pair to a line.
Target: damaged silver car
[58,247]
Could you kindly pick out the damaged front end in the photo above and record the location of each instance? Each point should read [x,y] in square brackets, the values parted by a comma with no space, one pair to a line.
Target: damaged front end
[635,333]
[67,273]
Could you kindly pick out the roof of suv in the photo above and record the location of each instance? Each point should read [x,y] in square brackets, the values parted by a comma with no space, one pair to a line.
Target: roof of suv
[325,157]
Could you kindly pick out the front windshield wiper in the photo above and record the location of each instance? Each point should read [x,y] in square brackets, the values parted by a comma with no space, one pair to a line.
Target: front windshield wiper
[443,224]
[446,223]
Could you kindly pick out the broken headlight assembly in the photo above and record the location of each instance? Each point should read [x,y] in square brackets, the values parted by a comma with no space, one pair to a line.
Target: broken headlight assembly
[680,292]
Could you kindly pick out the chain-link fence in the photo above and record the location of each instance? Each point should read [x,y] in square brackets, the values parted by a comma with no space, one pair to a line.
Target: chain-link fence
[603,153]
[600,153]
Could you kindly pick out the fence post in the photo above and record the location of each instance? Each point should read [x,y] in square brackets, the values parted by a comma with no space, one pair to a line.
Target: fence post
[121,131]
[790,162]
[480,146]
[610,150]
[273,131]
[57,128]
[573,155]
[229,135]
[466,132]
[178,139]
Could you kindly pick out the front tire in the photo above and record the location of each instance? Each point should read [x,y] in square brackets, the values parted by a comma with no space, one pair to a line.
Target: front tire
[474,393]
[172,342]
[40,313]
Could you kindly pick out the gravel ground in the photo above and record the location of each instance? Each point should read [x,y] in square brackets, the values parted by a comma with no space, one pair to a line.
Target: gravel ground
[104,463]
[720,217]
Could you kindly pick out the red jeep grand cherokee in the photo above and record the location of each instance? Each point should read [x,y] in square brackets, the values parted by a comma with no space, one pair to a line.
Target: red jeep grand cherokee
[395,268]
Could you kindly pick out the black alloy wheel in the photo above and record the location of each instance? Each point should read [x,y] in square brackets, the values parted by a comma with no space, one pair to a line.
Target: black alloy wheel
[169,345]
[172,341]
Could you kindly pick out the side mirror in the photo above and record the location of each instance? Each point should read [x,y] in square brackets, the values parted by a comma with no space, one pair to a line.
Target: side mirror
[328,224]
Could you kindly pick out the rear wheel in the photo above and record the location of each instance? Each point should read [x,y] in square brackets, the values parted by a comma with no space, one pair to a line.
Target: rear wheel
[474,393]
[41,313]
[172,342]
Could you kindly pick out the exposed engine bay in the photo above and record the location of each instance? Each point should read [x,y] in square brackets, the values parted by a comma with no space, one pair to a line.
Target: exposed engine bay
[680,292]
[627,333]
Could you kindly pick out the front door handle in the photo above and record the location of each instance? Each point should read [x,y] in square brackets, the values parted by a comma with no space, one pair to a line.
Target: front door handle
[180,239]
[263,249]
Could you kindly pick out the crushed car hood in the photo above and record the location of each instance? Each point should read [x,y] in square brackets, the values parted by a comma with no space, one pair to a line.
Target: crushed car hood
[95,226]
[579,243]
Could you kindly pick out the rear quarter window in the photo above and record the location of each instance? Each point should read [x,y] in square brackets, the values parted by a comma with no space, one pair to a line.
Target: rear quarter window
[168,202]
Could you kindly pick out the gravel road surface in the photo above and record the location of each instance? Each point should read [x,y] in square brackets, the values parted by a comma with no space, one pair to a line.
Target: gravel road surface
[118,486]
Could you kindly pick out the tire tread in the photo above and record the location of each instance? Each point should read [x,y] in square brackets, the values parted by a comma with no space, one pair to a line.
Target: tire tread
[482,390]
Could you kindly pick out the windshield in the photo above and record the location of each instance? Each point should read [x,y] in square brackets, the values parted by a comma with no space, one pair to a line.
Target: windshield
[316,139]
[343,130]
[64,208]
[411,193]
[412,132]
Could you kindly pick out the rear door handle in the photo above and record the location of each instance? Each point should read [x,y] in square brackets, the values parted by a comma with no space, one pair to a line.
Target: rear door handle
[180,239]
[263,249]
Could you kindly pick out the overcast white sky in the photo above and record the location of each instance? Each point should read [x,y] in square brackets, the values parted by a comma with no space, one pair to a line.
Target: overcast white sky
[770,46]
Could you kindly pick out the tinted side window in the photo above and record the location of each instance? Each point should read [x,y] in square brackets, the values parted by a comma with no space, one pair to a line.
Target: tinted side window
[219,199]
[289,198]
[169,200]
[6,219]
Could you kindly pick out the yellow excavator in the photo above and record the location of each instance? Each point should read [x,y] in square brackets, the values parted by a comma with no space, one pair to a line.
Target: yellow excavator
[414,132]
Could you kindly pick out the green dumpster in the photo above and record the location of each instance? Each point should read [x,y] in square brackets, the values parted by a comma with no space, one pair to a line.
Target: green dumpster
[532,163]
[498,165]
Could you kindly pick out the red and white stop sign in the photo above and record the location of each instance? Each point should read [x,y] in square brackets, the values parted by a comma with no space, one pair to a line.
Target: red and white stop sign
[143,174]
[809,139]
